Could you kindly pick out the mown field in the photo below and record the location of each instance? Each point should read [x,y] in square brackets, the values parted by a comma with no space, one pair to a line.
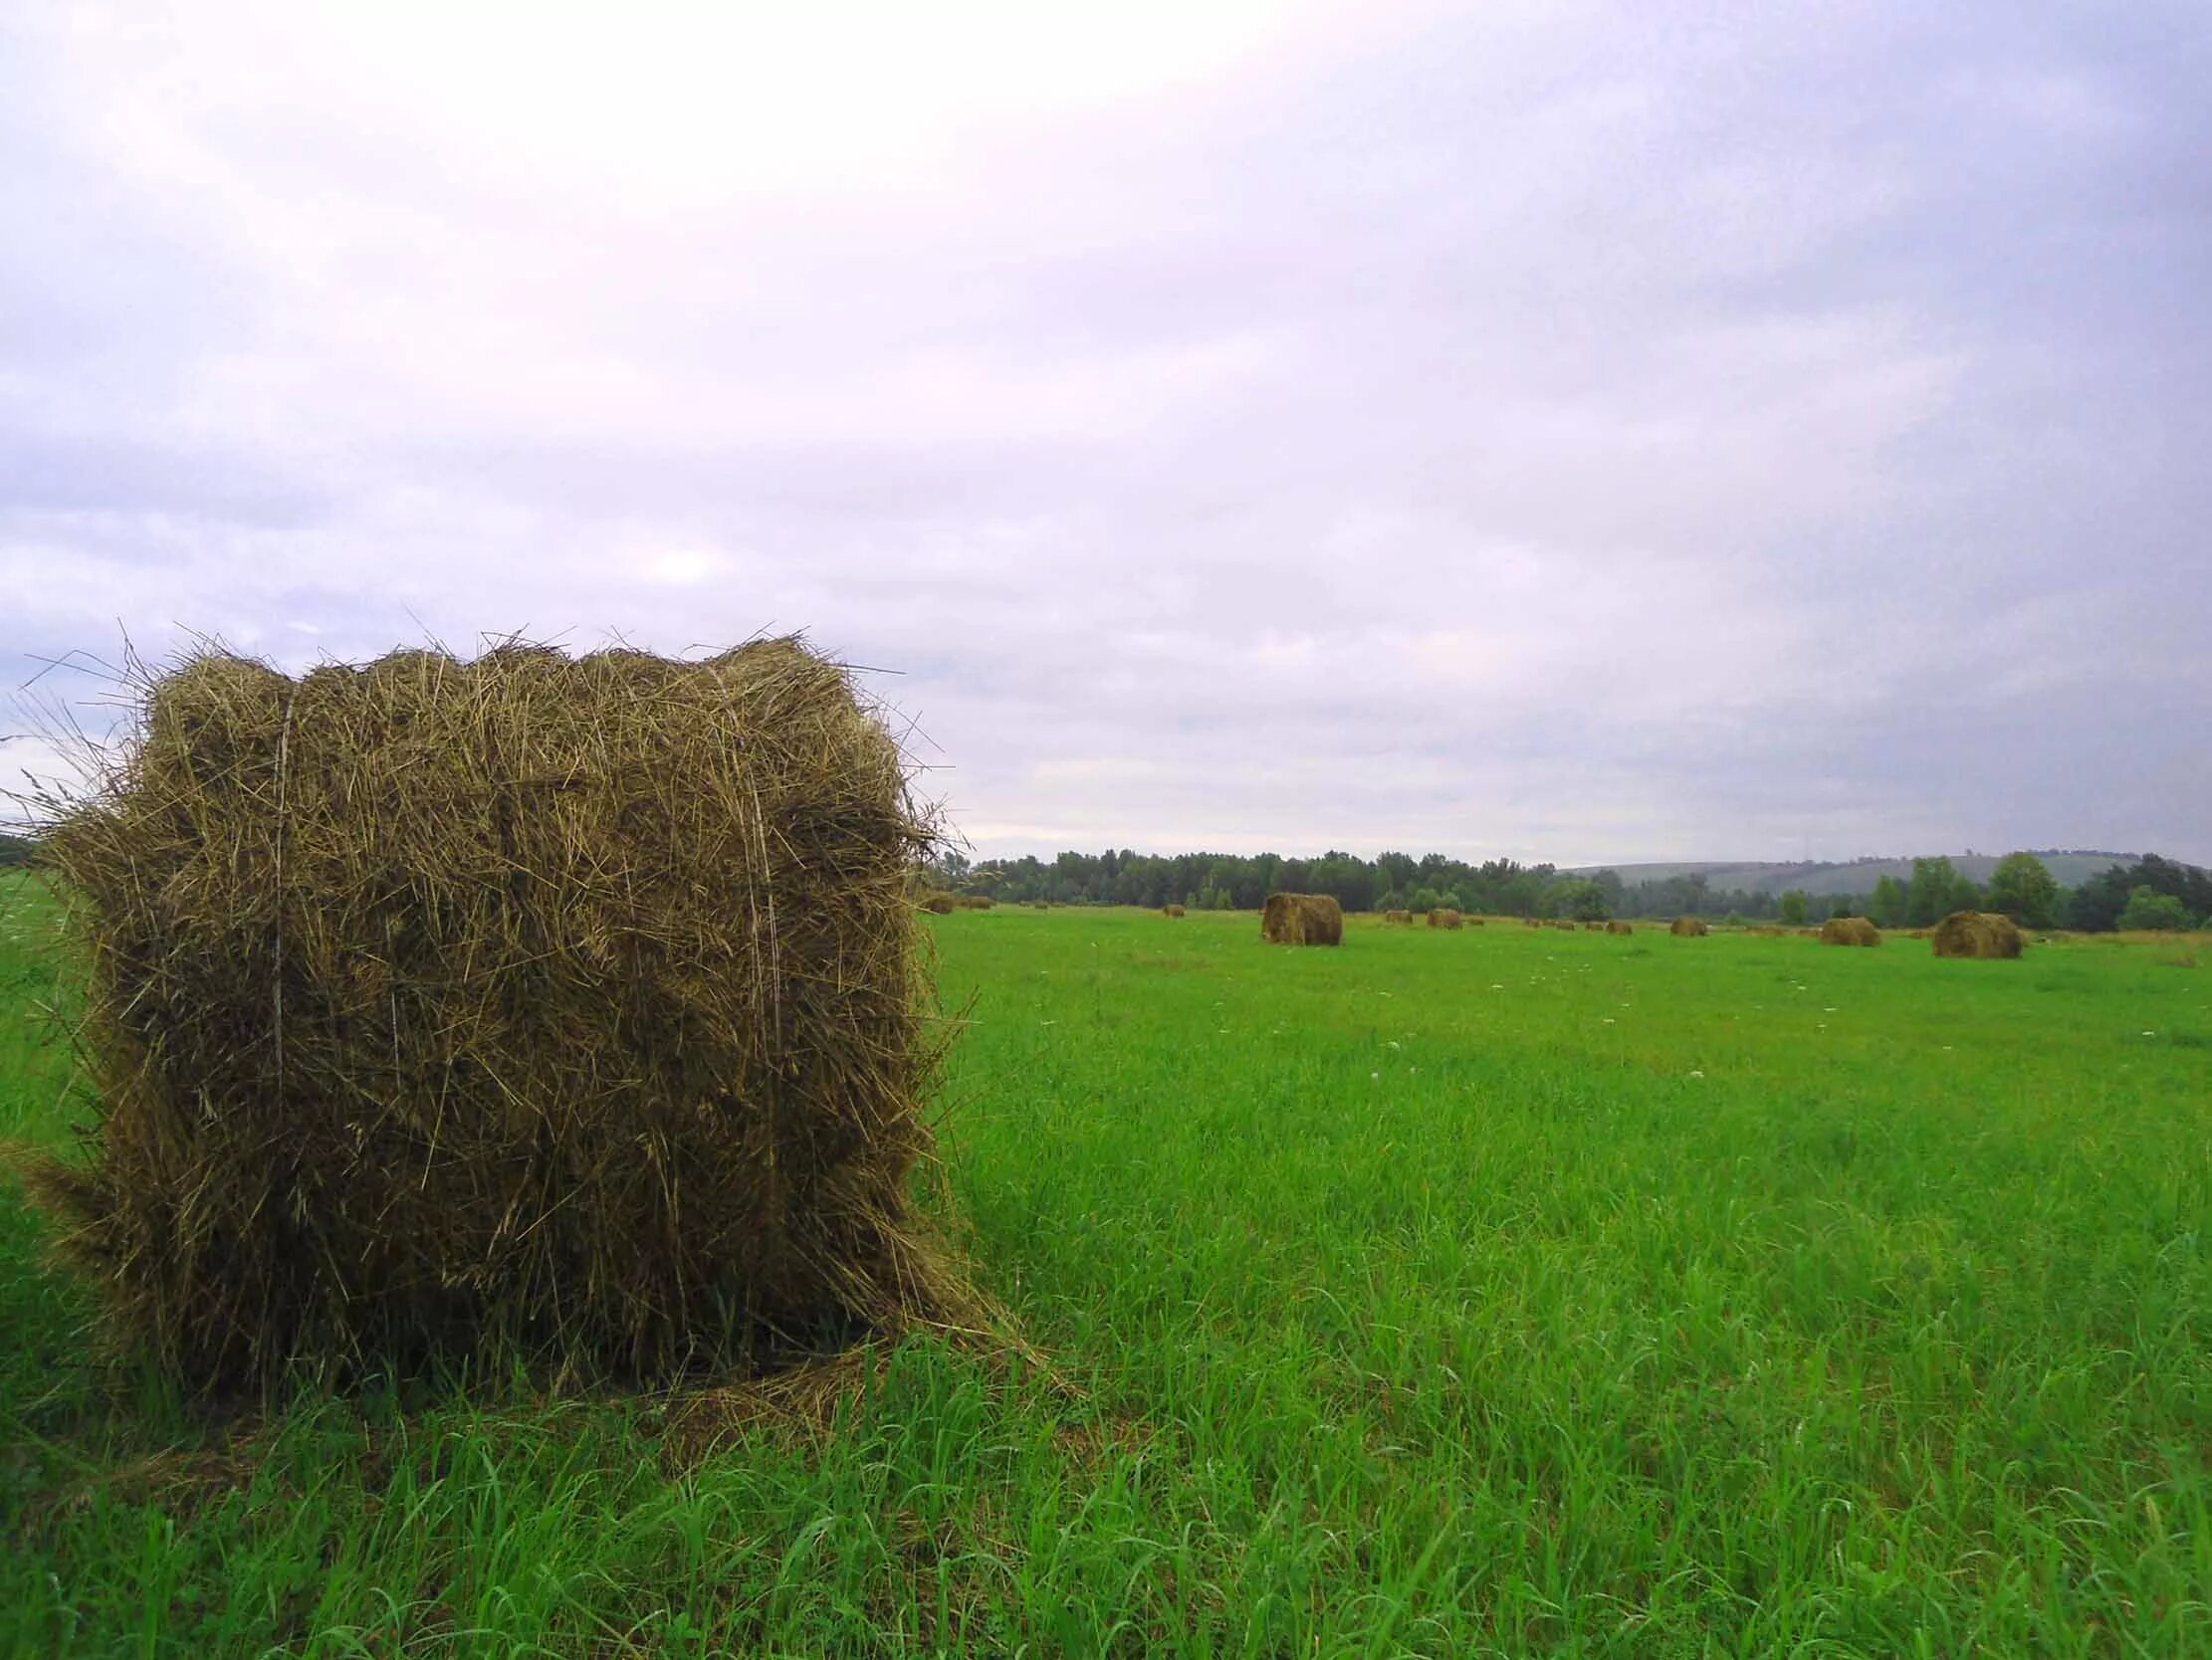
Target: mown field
[1503,1292]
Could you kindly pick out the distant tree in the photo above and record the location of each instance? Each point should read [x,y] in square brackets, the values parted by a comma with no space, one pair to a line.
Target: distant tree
[1844,904]
[2148,909]
[1934,893]
[16,851]
[1888,906]
[2023,888]
[1579,898]
[1793,907]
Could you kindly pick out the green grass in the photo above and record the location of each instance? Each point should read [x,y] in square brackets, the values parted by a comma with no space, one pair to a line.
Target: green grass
[1500,1291]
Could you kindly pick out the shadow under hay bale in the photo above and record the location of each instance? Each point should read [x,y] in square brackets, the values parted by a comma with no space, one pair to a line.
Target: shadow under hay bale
[1977,933]
[1689,927]
[1445,917]
[1171,911]
[1302,920]
[1849,930]
[562,1008]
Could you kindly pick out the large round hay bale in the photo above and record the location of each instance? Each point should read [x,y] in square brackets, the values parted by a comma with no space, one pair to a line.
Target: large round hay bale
[559,1007]
[1689,927]
[1403,918]
[1618,926]
[1302,920]
[1171,911]
[1443,915]
[1977,933]
[1849,930]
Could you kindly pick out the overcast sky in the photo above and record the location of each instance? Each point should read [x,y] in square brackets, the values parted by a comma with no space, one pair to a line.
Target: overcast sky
[1576,432]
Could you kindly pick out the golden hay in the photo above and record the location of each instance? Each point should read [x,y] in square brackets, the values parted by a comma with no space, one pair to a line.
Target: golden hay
[1977,933]
[1443,915]
[1689,927]
[1302,920]
[1618,926]
[1403,918]
[1171,911]
[569,1009]
[1849,930]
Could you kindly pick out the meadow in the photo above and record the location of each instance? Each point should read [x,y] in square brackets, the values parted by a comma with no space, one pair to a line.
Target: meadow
[1503,1291]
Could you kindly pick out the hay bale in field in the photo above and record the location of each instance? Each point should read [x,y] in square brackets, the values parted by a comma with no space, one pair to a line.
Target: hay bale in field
[569,1009]
[974,901]
[1302,920]
[1171,911]
[1689,927]
[1849,930]
[1041,905]
[938,903]
[1531,922]
[1618,926]
[1977,933]
[1593,928]
[1443,915]
[1562,922]
[1403,918]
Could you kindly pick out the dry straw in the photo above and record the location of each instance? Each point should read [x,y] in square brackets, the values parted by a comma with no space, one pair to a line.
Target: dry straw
[1618,926]
[1849,930]
[1689,927]
[1403,918]
[1171,911]
[1445,917]
[1977,933]
[564,1008]
[1302,920]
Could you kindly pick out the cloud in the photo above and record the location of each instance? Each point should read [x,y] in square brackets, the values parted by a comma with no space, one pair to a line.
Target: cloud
[1580,432]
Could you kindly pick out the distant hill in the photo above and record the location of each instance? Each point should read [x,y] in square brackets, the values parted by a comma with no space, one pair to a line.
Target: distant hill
[1856,876]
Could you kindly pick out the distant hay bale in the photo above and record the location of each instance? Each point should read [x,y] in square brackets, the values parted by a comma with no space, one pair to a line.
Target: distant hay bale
[937,904]
[1593,928]
[1618,926]
[1562,921]
[1849,930]
[1977,933]
[564,1009]
[1689,927]
[1471,921]
[1443,915]
[976,902]
[1171,911]
[1403,918]
[1531,922]
[1302,920]
[1041,905]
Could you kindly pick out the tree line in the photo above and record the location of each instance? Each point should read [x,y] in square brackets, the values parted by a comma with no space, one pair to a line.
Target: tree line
[2152,892]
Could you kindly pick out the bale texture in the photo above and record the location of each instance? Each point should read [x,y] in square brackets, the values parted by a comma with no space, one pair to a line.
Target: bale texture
[1977,933]
[1445,917]
[1618,926]
[1302,920]
[1849,930]
[1403,918]
[1171,911]
[1689,927]
[571,1006]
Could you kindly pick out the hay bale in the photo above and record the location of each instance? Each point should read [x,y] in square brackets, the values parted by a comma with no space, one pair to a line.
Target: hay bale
[938,903]
[1041,905]
[1689,927]
[1302,920]
[1977,933]
[1618,926]
[562,1008]
[1171,911]
[1403,918]
[1566,922]
[974,901]
[1471,921]
[1593,928]
[1443,915]
[1849,930]
[1530,922]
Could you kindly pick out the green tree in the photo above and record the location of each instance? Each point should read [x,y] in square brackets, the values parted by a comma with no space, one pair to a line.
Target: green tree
[1793,907]
[1887,907]
[1934,893]
[2023,888]
[1579,898]
[2148,909]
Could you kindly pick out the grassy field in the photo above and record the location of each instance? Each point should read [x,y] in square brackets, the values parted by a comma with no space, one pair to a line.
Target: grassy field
[1503,1291]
